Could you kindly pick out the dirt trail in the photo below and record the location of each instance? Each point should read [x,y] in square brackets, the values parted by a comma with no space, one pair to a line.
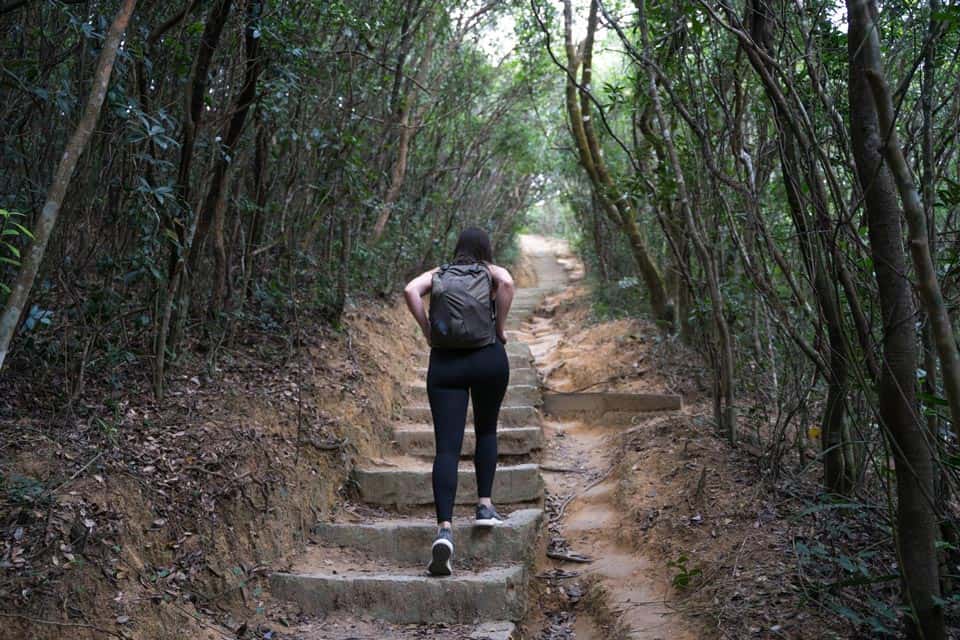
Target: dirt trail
[363,576]
[631,596]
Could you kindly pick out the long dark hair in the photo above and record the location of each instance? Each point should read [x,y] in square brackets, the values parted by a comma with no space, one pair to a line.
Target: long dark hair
[473,245]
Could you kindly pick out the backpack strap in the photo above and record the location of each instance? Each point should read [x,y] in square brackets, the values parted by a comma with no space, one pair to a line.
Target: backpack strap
[493,290]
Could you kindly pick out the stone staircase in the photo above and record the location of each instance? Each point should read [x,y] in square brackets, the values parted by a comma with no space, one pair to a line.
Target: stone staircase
[376,568]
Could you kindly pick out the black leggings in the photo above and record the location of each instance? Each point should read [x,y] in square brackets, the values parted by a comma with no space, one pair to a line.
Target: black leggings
[453,376]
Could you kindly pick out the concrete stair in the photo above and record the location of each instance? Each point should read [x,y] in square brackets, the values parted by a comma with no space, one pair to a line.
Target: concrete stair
[518,375]
[510,416]
[376,569]
[398,486]
[518,354]
[406,541]
[408,597]
[417,440]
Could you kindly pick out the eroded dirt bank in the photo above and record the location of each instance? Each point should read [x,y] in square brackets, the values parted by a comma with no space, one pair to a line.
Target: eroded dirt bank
[688,538]
[127,518]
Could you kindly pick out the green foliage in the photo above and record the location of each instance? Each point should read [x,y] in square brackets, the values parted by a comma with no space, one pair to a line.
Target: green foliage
[621,299]
[685,575]
[137,245]
[24,491]
[839,581]
[11,233]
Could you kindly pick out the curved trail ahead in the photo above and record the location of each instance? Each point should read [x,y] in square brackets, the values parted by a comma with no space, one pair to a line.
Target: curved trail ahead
[584,516]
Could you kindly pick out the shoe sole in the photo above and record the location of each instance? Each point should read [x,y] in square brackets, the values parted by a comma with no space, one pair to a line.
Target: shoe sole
[488,522]
[442,551]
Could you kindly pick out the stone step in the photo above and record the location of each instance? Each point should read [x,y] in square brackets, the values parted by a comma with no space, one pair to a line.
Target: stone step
[410,484]
[417,440]
[510,415]
[408,541]
[556,403]
[524,306]
[515,322]
[518,375]
[407,597]
[347,626]
[517,394]
[522,310]
[528,296]
[525,376]
[518,349]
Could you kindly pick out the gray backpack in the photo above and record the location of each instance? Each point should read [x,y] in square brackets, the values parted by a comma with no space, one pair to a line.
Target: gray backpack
[462,311]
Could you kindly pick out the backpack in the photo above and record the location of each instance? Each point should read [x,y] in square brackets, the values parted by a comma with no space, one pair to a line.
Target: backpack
[462,311]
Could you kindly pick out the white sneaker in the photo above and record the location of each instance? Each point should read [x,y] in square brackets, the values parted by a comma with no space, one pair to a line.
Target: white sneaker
[487,516]
[442,551]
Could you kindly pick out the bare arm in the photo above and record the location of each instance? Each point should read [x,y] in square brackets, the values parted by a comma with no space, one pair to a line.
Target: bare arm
[504,298]
[413,293]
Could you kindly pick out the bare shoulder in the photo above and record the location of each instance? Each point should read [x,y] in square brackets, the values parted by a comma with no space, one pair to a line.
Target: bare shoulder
[422,284]
[500,274]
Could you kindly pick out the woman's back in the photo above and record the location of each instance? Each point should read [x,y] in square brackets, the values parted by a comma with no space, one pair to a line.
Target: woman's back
[469,301]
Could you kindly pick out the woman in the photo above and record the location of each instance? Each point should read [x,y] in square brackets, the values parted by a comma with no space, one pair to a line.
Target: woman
[470,299]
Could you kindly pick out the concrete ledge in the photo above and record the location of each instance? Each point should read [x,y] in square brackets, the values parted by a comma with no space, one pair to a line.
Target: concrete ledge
[494,631]
[517,394]
[390,486]
[519,349]
[523,309]
[419,441]
[496,594]
[555,403]
[408,541]
[509,416]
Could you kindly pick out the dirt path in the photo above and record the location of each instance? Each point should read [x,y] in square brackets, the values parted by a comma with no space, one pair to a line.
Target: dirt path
[363,575]
[620,594]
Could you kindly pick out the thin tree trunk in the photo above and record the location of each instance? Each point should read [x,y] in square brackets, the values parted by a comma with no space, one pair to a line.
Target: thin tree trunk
[255,237]
[212,212]
[916,530]
[616,207]
[928,180]
[927,283]
[725,395]
[408,122]
[193,115]
[838,465]
[61,181]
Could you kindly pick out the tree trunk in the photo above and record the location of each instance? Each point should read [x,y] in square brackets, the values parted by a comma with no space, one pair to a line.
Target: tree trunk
[61,181]
[916,523]
[726,413]
[838,464]
[614,204]
[255,236]
[919,242]
[212,212]
[193,115]
[408,123]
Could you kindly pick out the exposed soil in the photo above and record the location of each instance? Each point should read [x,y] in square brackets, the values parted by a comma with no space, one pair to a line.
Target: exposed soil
[687,537]
[126,518]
